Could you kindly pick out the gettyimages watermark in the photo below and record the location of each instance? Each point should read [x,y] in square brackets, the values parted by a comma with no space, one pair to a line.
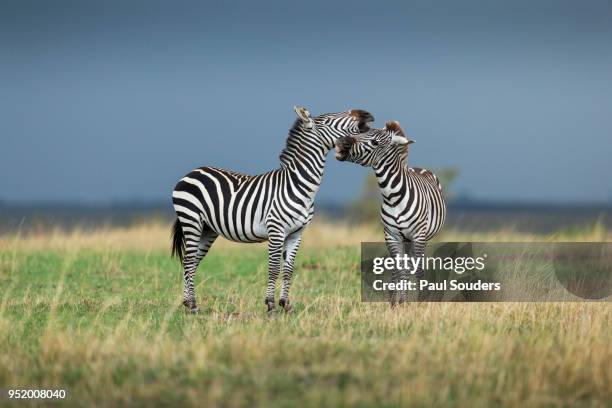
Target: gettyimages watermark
[489,272]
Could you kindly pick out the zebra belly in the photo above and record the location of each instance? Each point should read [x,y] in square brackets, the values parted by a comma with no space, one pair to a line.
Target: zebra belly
[251,231]
[261,232]
[262,236]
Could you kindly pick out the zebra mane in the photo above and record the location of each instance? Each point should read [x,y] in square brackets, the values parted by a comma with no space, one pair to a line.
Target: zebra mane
[292,144]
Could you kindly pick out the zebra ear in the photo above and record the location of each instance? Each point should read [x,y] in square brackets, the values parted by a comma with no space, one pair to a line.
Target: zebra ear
[399,137]
[401,140]
[304,116]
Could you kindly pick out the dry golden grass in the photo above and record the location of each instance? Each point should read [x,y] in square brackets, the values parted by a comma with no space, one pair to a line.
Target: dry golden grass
[321,234]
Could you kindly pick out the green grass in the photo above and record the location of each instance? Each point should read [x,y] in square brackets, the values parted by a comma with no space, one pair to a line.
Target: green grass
[107,326]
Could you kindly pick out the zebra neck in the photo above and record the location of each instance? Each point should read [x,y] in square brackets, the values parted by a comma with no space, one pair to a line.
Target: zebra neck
[391,176]
[306,168]
[303,158]
[301,144]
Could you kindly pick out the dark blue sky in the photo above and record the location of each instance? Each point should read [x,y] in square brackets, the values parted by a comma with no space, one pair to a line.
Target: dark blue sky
[105,101]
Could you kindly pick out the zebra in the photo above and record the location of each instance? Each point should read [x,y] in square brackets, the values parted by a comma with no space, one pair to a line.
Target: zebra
[413,208]
[275,206]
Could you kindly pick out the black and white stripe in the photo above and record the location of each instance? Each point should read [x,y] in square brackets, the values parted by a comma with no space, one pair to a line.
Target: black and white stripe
[274,206]
[413,208]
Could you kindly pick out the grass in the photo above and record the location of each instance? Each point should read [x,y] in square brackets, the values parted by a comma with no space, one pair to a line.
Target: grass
[98,314]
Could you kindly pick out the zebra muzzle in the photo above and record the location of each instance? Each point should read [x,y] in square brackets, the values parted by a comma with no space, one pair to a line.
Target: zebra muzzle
[343,146]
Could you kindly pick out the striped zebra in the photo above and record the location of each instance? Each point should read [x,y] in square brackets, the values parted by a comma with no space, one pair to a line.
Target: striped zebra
[413,209]
[275,206]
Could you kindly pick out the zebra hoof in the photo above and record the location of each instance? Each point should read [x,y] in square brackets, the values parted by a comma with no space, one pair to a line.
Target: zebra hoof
[190,305]
[284,303]
[271,307]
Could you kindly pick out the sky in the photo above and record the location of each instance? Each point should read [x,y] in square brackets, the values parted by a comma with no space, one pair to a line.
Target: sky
[115,101]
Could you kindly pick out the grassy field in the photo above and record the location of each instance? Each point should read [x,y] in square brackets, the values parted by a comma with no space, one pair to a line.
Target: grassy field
[98,314]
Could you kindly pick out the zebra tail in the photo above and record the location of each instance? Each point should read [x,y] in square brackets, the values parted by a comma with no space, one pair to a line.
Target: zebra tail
[178,240]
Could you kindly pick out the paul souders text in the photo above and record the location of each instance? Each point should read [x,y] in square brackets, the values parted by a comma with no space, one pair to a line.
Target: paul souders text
[380,285]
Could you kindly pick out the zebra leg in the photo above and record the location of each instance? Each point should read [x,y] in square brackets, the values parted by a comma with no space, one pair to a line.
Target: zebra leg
[292,244]
[395,247]
[418,251]
[276,239]
[195,250]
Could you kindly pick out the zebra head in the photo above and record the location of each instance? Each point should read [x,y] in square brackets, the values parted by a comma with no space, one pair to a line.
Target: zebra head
[330,126]
[373,147]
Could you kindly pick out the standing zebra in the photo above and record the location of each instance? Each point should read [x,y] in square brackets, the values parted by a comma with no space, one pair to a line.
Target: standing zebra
[413,208]
[274,206]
